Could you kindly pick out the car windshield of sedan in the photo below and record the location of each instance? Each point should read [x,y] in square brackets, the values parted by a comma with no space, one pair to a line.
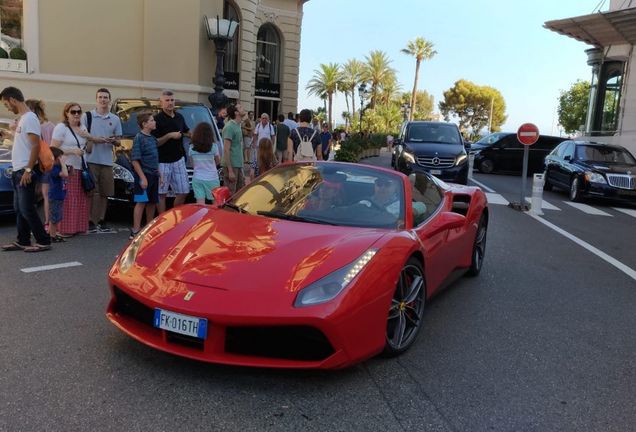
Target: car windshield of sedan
[193,115]
[325,193]
[492,138]
[437,133]
[604,154]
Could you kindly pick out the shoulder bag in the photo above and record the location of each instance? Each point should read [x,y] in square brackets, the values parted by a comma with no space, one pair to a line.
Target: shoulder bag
[88,181]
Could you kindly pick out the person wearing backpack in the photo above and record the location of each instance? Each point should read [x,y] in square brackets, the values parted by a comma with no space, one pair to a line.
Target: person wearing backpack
[305,140]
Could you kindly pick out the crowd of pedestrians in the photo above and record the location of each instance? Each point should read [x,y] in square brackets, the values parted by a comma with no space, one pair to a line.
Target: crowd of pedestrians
[77,185]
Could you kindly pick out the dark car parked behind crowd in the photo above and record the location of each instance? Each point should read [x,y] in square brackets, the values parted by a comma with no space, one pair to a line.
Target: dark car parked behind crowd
[501,151]
[127,110]
[434,147]
[591,169]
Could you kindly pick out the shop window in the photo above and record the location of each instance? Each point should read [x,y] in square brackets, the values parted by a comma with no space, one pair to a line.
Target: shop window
[268,55]
[605,100]
[231,59]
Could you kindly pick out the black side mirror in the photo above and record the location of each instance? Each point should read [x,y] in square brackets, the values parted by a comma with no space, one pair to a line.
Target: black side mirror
[467,146]
[397,142]
[567,157]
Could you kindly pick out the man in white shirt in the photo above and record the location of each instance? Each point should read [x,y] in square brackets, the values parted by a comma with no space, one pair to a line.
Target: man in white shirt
[24,158]
[264,129]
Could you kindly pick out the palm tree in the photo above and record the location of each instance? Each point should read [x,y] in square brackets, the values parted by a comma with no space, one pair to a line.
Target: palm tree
[377,72]
[421,49]
[324,83]
[352,72]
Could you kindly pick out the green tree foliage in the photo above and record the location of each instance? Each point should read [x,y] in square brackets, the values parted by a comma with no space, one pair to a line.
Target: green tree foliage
[421,49]
[324,83]
[423,107]
[382,118]
[573,106]
[378,73]
[470,104]
[350,78]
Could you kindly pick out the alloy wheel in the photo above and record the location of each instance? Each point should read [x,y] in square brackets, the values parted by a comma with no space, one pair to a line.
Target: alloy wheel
[407,309]
[486,166]
[479,248]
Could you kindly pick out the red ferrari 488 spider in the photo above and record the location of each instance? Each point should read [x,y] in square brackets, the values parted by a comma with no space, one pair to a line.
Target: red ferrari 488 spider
[312,265]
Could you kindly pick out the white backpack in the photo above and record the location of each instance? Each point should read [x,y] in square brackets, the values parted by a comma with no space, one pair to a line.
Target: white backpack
[305,151]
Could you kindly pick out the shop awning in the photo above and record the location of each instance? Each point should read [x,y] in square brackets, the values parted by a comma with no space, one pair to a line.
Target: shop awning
[600,29]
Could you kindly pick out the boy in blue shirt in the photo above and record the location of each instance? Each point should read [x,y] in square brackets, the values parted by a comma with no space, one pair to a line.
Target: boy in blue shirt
[145,161]
[57,193]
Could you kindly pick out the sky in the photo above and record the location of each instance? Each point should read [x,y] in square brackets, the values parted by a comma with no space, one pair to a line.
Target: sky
[499,43]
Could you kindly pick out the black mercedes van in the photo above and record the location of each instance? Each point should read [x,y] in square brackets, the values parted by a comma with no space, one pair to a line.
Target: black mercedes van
[501,151]
[434,147]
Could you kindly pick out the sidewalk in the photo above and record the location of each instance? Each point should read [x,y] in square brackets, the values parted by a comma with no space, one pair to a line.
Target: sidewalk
[384,160]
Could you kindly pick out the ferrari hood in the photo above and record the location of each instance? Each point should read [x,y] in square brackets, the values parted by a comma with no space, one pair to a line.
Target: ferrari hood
[231,251]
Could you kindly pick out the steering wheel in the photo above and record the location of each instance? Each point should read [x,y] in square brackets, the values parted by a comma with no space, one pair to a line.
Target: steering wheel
[372,205]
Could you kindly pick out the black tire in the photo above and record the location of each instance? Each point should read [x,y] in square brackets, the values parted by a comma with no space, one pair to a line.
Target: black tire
[407,309]
[575,190]
[479,248]
[547,186]
[486,166]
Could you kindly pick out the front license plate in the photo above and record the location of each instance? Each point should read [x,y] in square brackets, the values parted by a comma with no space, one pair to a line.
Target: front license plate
[436,172]
[182,324]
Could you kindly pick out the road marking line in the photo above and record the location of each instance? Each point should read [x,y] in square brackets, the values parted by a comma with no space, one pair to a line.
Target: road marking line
[613,261]
[51,267]
[495,198]
[481,185]
[544,204]
[626,211]
[587,209]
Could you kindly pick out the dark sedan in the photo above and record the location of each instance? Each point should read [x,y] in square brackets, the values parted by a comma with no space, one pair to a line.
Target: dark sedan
[592,169]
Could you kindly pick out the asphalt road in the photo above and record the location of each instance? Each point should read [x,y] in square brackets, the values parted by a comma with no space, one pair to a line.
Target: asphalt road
[542,340]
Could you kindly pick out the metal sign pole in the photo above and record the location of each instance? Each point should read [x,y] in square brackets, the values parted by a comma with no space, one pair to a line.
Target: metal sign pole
[524,175]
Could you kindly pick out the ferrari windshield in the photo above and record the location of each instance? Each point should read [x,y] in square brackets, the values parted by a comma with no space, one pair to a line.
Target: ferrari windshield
[325,193]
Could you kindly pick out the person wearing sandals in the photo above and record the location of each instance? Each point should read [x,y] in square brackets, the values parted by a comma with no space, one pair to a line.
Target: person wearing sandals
[24,157]
[57,192]
[71,136]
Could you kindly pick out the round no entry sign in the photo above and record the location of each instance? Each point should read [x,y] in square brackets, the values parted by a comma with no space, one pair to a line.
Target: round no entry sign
[528,134]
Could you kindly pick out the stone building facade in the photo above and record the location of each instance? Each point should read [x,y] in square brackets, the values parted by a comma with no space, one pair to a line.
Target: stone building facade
[136,48]
[611,114]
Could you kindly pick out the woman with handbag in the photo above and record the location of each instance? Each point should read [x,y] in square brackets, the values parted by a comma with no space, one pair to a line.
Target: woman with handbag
[72,138]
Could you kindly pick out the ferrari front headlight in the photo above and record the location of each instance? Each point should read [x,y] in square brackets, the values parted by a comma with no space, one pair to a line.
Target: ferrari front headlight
[127,259]
[330,286]
[593,177]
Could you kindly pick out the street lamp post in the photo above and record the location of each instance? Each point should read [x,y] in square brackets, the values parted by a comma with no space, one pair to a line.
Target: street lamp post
[220,31]
[362,93]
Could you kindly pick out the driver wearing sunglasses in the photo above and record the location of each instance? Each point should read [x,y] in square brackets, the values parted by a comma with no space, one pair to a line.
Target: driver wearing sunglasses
[385,196]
